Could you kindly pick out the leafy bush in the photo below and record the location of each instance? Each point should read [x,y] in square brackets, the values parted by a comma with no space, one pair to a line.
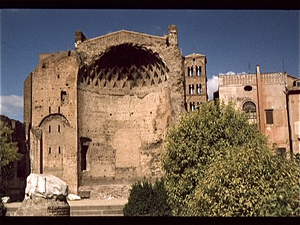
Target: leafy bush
[219,164]
[146,199]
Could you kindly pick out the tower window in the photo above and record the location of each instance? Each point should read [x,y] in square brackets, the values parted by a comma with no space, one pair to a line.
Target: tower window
[49,129]
[58,109]
[50,109]
[49,150]
[58,128]
[199,88]
[192,106]
[198,70]
[191,88]
[59,150]
[190,71]
[269,116]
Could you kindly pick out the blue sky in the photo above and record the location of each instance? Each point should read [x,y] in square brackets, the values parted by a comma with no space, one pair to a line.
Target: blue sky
[230,39]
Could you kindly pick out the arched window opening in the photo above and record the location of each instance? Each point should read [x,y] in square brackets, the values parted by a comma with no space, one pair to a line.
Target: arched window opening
[191,88]
[199,89]
[192,106]
[250,108]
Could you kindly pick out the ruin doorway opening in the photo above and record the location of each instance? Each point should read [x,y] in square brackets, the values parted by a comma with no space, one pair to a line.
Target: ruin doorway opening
[85,142]
[84,149]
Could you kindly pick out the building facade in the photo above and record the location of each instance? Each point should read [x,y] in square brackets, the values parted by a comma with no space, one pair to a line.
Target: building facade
[272,101]
[100,114]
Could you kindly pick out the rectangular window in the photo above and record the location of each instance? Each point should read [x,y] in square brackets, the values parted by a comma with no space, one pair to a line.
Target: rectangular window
[281,152]
[269,116]
[49,109]
[63,97]
[49,150]
[58,150]
[58,128]
[49,129]
[58,109]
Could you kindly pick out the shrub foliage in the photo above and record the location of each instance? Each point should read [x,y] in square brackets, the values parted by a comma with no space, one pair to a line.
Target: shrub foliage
[146,199]
[219,164]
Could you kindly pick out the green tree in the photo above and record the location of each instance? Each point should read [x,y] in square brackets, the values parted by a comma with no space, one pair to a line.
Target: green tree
[8,151]
[219,164]
[146,199]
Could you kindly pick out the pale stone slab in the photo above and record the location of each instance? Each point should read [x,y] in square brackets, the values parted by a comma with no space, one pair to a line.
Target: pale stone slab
[45,186]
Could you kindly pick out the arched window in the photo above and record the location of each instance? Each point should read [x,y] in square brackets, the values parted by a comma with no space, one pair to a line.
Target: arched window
[199,89]
[250,108]
[192,90]
[192,106]
[198,70]
[191,71]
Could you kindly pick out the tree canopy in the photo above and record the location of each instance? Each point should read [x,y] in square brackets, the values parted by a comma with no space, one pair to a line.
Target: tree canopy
[8,150]
[219,164]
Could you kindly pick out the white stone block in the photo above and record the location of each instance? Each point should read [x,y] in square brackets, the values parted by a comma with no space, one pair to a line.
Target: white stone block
[72,197]
[5,199]
[45,186]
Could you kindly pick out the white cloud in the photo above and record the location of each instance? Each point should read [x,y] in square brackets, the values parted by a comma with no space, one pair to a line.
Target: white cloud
[230,73]
[12,106]
[212,86]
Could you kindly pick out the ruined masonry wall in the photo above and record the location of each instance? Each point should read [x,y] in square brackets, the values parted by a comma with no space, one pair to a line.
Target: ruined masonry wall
[54,91]
[126,132]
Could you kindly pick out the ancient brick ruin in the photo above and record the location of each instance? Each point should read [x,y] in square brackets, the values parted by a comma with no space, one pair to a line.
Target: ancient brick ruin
[100,114]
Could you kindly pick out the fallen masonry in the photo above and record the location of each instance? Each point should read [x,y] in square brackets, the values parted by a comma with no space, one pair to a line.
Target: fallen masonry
[45,195]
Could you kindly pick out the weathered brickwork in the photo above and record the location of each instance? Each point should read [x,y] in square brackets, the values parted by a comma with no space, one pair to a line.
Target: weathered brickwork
[100,114]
